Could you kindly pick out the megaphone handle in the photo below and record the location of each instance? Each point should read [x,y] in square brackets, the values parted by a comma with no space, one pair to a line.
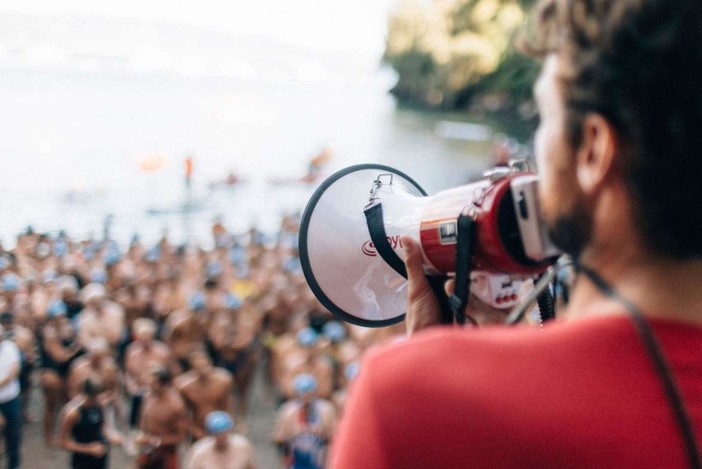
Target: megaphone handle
[437,283]
[464,255]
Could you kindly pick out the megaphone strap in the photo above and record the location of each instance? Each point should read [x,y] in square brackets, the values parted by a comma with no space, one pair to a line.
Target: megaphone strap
[376,229]
[464,254]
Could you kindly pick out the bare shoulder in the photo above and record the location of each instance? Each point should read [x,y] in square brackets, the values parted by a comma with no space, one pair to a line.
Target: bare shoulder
[182,382]
[201,445]
[223,375]
[111,364]
[114,310]
[288,408]
[176,319]
[240,441]
[197,450]
[22,332]
[48,332]
[71,410]
[176,400]
[79,364]
[325,405]
[132,350]
[161,349]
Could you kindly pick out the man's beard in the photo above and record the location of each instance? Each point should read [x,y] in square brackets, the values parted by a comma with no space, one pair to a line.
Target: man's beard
[572,231]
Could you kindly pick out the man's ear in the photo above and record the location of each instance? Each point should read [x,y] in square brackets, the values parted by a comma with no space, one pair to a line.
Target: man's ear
[595,155]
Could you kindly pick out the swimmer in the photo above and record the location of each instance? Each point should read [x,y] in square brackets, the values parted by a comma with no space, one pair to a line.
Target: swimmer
[221,448]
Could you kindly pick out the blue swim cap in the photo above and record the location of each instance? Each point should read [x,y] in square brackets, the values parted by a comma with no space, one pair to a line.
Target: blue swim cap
[197,301]
[89,250]
[57,308]
[98,275]
[237,255]
[153,254]
[112,256]
[242,271]
[259,237]
[218,422]
[304,383]
[67,282]
[293,265]
[307,337]
[49,276]
[10,282]
[60,248]
[232,301]
[335,331]
[213,269]
[351,370]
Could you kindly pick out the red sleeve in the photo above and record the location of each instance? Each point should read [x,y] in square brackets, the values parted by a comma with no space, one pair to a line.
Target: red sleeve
[358,441]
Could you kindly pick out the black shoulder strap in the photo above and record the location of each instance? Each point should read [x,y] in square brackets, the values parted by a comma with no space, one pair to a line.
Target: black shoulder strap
[663,370]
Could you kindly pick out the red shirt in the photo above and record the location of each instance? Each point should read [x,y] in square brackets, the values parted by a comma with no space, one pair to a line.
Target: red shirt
[575,394]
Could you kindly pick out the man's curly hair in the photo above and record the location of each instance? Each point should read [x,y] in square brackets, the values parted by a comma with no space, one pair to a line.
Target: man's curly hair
[638,63]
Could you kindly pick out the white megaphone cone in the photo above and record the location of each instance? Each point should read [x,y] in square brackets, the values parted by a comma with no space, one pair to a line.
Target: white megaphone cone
[339,259]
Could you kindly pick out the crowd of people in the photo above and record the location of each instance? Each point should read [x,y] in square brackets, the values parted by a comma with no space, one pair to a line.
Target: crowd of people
[154,349]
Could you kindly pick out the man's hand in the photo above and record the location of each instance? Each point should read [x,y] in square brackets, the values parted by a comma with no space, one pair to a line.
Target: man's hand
[422,306]
[114,437]
[96,449]
[144,439]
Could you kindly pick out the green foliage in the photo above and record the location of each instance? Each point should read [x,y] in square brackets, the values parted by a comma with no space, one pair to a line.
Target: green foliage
[453,53]
[515,77]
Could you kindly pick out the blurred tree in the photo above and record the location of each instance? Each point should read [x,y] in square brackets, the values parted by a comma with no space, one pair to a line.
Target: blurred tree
[450,53]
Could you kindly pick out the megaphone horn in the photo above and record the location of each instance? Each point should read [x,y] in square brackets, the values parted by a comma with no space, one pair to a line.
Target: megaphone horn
[340,261]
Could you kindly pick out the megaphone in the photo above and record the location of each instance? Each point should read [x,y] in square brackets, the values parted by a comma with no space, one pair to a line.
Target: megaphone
[351,249]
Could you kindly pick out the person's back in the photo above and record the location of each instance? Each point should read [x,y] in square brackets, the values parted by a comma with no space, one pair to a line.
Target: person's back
[236,454]
[576,394]
[220,449]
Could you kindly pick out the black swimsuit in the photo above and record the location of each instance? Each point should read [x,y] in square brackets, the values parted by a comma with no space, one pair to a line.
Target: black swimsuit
[88,429]
[238,362]
[48,362]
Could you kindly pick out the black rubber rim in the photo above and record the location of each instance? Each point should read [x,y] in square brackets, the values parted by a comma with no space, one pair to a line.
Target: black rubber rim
[304,254]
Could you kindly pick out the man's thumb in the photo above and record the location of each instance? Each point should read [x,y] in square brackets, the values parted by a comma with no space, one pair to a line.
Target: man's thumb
[413,257]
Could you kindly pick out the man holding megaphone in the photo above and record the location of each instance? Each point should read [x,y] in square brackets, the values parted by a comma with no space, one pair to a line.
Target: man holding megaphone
[617,382]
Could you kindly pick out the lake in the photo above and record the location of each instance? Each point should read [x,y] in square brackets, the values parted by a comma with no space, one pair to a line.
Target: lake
[74,137]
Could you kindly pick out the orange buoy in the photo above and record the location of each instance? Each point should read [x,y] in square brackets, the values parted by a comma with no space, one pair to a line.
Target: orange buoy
[152,162]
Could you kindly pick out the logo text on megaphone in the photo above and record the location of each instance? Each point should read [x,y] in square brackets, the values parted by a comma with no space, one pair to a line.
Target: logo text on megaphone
[368,248]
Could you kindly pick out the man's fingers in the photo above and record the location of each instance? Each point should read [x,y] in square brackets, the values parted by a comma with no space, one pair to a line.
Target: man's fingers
[413,258]
[450,286]
[422,306]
